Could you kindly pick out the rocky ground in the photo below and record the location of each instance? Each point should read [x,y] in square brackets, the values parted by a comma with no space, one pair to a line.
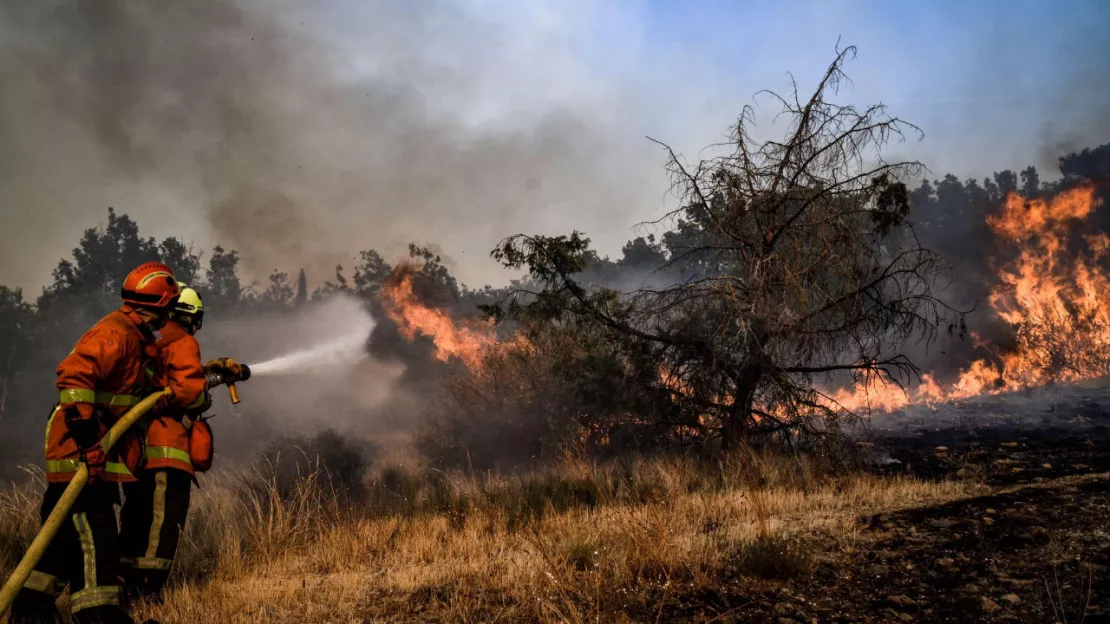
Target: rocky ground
[1035,549]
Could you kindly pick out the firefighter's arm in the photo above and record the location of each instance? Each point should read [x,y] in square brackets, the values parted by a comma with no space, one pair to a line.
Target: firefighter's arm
[185,376]
[91,360]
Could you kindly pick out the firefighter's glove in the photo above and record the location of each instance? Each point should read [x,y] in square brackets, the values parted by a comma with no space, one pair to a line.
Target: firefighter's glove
[95,459]
[83,425]
[84,428]
[163,405]
[225,367]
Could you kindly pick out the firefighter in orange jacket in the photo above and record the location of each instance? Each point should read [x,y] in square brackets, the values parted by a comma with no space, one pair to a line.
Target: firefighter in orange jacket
[98,382]
[155,506]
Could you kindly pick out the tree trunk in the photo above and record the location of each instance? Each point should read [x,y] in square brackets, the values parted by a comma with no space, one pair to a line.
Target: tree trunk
[735,427]
[3,395]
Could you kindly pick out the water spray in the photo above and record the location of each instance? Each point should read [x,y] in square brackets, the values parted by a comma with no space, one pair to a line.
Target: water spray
[343,351]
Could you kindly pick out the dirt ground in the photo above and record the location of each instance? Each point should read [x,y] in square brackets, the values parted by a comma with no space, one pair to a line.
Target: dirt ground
[1035,549]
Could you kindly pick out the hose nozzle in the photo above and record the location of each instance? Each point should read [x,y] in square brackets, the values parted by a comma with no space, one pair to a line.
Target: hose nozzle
[228,378]
[232,390]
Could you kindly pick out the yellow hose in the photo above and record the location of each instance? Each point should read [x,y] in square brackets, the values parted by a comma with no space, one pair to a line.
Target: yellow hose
[65,503]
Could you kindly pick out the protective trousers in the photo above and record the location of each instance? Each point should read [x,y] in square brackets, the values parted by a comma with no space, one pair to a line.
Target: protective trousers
[151,522]
[84,555]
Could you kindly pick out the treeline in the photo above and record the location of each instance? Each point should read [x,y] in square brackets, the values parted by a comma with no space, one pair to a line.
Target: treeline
[723,327]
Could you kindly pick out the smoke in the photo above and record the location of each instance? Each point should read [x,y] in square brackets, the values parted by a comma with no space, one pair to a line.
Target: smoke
[311,369]
[302,133]
[243,123]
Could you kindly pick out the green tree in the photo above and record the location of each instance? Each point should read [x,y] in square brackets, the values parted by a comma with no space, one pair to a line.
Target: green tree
[371,274]
[280,291]
[1088,164]
[102,260]
[180,258]
[302,289]
[15,341]
[223,285]
[1030,182]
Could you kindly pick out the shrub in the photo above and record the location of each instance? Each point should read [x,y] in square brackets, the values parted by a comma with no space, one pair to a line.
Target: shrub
[338,463]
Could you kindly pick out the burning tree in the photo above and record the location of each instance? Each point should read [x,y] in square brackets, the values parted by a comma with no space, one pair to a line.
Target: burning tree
[790,277]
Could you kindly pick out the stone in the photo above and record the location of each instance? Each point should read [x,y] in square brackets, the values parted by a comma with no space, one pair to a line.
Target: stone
[1011,599]
[989,605]
[901,601]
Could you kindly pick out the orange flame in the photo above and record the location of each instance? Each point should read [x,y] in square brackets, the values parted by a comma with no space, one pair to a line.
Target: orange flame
[464,341]
[1053,294]
[1057,299]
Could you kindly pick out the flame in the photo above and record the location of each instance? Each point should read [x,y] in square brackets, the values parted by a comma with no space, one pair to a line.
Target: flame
[1053,294]
[464,341]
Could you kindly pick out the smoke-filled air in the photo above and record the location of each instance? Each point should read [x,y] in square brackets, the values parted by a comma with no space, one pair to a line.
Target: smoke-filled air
[469,310]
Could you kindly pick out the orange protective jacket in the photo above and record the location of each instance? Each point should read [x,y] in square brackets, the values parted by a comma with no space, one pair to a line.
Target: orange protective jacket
[179,367]
[103,377]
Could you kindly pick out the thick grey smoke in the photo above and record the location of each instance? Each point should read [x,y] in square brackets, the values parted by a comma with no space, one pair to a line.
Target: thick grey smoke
[301,133]
[240,122]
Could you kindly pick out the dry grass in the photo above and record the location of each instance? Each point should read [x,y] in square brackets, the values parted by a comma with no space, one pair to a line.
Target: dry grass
[577,543]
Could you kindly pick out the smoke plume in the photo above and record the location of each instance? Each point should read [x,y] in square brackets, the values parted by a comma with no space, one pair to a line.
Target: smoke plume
[241,123]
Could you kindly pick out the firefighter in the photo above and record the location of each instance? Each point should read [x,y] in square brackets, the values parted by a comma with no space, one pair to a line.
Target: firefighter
[100,379]
[155,507]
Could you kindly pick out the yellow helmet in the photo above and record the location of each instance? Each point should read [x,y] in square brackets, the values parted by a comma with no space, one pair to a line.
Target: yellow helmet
[189,301]
[189,309]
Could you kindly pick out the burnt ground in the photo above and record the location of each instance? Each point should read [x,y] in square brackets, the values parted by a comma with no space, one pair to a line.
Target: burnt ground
[1035,549]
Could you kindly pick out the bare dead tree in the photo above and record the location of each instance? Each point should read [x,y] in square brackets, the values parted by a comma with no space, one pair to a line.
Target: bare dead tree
[792,280]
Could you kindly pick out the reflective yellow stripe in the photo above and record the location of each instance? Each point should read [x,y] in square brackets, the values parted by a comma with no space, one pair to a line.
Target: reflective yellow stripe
[62,465]
[94,597]
[49,424]
[149,277]
[117,468]
[42,582]
[153,563]
[167,452]
[83,395]
[88,548]
[158,517]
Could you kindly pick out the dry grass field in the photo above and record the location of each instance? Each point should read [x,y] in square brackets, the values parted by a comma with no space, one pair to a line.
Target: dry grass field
[579,542]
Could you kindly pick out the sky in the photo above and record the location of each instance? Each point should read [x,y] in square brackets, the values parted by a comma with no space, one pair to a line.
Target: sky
[301,133]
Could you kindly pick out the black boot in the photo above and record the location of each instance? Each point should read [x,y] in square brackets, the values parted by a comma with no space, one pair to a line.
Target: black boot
[34,607]
[108,614]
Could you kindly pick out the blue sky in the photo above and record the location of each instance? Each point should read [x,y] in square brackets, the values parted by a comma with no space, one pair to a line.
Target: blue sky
[990,81]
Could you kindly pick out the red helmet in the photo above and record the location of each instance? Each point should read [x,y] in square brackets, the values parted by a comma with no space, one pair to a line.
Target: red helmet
[152,285]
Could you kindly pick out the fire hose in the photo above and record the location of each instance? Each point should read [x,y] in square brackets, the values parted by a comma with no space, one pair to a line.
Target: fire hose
[60,512]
